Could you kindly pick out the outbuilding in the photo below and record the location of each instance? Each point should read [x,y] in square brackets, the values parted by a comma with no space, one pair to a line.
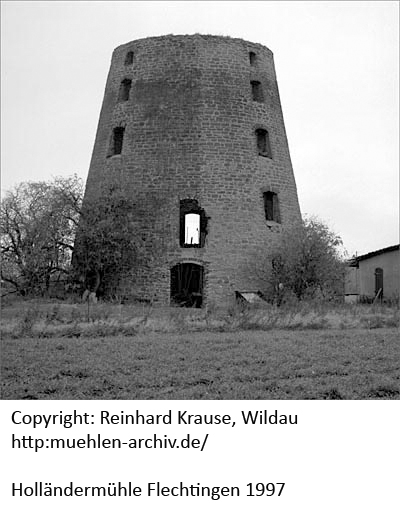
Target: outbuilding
[374,276]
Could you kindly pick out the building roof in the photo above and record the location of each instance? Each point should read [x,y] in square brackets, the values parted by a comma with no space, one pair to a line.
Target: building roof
[354,261]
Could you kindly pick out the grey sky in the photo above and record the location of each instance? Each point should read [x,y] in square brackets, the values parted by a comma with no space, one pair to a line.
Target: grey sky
[338,73]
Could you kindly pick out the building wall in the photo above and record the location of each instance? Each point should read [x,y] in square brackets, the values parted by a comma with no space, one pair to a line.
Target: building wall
[190,125]
[390,263]
[351,283]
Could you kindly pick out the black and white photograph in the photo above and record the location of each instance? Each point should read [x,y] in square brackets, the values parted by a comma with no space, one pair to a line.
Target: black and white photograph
[160,240]
[200,265]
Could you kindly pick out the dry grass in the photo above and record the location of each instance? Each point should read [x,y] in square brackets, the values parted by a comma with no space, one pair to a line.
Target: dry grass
[46,320]
[52,351]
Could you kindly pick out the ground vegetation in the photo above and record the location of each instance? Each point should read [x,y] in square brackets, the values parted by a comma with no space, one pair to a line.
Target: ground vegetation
[308,351]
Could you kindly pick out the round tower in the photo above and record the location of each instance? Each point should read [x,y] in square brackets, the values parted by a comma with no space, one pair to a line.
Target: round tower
[191,128]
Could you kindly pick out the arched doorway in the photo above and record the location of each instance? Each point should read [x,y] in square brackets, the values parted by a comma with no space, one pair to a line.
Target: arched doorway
[187,285]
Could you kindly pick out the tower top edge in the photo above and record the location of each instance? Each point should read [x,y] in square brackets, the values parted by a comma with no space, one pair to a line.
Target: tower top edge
[196,37]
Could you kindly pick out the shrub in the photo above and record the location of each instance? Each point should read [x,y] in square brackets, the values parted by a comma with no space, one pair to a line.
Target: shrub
[306,263]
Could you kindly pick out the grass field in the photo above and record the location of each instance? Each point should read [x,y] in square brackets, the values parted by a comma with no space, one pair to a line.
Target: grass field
[53,350]
[277,364]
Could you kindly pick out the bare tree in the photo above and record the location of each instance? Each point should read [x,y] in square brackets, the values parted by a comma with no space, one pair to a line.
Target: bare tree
[38,222]
[47,228]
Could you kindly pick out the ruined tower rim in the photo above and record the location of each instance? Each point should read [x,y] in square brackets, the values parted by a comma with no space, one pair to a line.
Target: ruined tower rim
[199,37]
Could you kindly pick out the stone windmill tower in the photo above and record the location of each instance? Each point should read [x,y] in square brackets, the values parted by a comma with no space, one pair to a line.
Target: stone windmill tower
[191,127]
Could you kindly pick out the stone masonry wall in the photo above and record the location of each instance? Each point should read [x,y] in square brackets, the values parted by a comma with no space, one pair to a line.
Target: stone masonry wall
[190,124]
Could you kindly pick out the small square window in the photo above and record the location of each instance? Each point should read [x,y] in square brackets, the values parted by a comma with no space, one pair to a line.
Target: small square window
[125,89]
[263,143]
[271,207]
[256,91]
[129,58]
[117,141]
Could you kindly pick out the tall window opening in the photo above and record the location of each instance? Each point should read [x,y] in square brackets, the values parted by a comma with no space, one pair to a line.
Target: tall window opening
[379,282]
[256,90]
[125,89]
[252,58]
[187,285]
[271,207]
[193,224]
[117,141]
[192,229]
[129,58]
[263,143]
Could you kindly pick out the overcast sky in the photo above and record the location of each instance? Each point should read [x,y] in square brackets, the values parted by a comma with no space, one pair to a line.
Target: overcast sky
[338,73]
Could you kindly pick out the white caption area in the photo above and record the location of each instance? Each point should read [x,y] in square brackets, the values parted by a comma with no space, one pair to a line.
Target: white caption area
[340,465]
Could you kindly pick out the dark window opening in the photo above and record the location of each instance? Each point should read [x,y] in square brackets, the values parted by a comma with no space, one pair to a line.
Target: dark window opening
[252,58]
[117,141]
[124,89]
[271,207]
[187,285]
[256,90]
[129,58]
[193,224]
[263,143]
[379,282]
